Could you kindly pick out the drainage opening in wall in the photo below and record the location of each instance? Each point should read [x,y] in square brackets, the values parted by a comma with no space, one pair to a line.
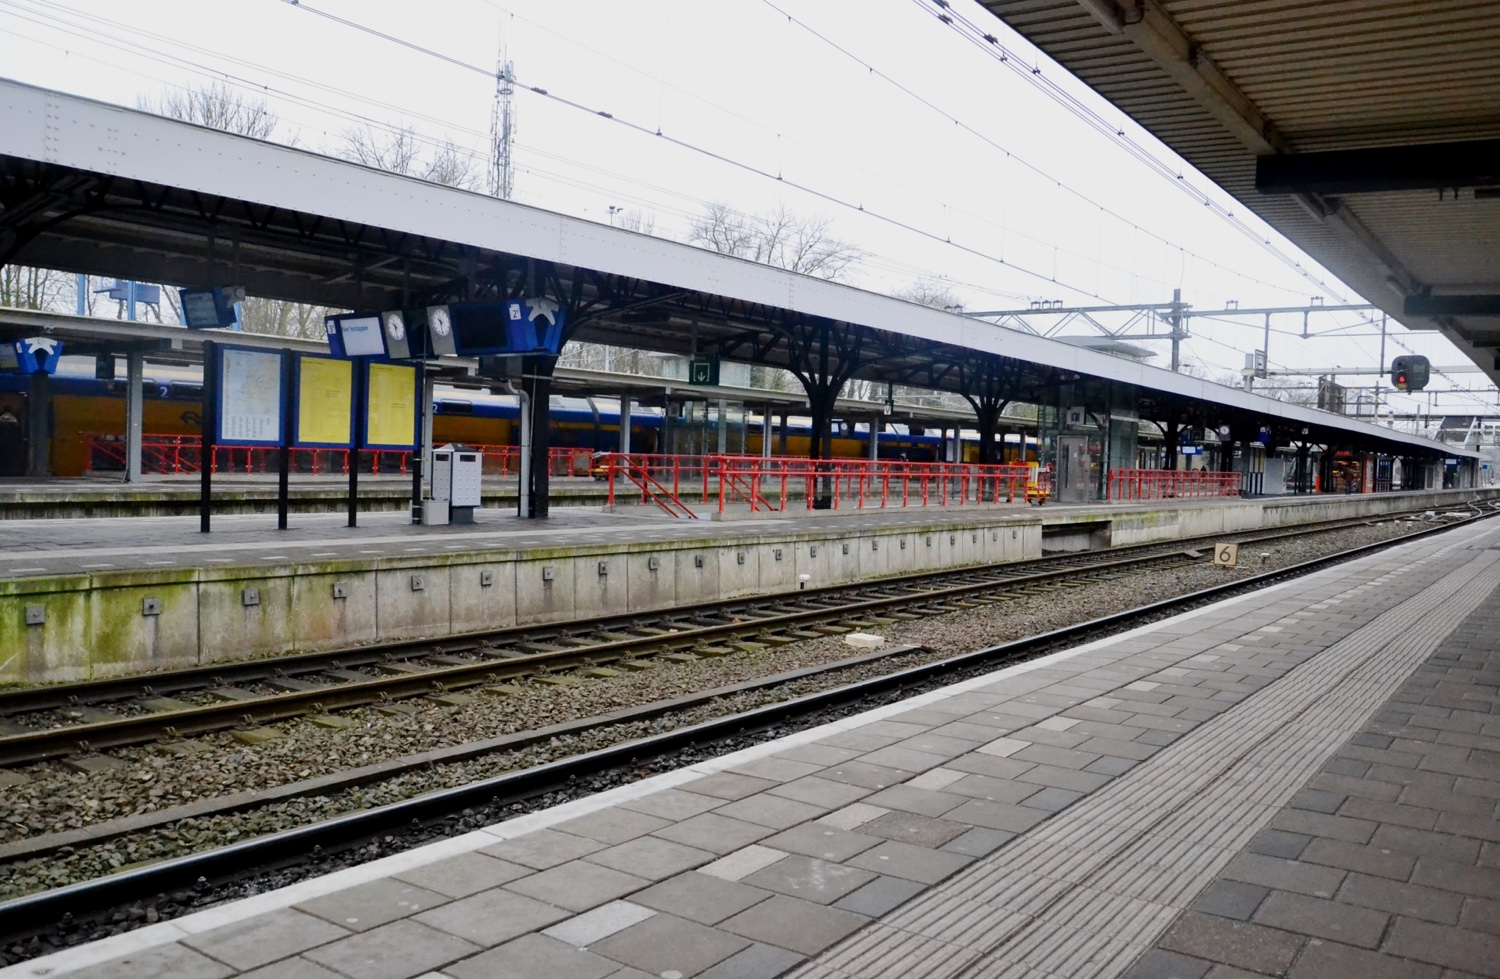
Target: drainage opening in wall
[1060,538]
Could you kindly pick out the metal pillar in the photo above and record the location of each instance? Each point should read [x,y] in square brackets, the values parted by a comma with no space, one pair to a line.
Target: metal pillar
[1175,318]
[875,422]
[766,428]
[135,376]
[781,450]
[39,425]
[523,507]
[625,423]
[723,425]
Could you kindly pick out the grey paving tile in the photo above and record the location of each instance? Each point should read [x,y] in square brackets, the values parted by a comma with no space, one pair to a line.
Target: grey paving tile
[820,753]
[1479,914]
[809,878]
[822,792]
[1052,799]
[823,842]
[1236,943]
[1286,875]
[1319,824]
[714,832]
[1279,843]
[910,862]
[612,825]
[1315,800]
[1365,858]
[902,759]
[1423,941]
[1325,919]
[491,917]
[1231,899]
[992,789]
[1332,960]
[297,968]
[265,938]
[979,842]
[756,962]
[173,960]
[1044,754]
[914,828]
[775,768]
[534,957]
[399,950]
[672,804]
[700,897]
[991,765]
[585,929]
[773,811]
[1159,964]
[997,815]
[666,944]
[1064,778]
[1412,900]
[925,802]
[372,904]
[1110,766]
[1442,846]
[651,857]
[727,785]
[880,896]
[542,849]
[794,925]
[860,772]
[462,875]
[578,886]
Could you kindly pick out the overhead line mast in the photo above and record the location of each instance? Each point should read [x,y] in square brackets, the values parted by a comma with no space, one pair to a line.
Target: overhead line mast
[503,130]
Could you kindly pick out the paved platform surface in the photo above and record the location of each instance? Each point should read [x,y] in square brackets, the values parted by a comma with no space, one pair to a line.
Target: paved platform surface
[1303,781]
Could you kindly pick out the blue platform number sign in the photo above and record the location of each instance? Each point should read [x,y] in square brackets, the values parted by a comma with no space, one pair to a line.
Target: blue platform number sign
[533,326]
[37,355]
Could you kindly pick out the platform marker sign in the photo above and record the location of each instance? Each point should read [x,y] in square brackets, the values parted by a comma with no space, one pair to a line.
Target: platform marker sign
[250,397]
[325,402]
[1226,555]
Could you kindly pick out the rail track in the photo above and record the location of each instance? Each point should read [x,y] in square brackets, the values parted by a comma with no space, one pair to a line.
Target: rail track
[67,719]
[450,810]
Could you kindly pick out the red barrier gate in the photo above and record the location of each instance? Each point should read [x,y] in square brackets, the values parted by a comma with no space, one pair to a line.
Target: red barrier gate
[1170,484]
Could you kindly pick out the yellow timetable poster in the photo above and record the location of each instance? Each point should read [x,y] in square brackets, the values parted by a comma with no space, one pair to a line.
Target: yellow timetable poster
[325,401]
[392,419]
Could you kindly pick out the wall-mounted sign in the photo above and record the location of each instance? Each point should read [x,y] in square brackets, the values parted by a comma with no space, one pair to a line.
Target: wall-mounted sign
[33,355]
[250,395]
[1191,450]
[355,335]
[325,402]
[703,370]
[204,309]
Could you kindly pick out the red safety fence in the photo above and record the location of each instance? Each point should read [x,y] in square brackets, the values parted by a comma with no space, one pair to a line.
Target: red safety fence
[181,455]
[773,483]
[1171,484]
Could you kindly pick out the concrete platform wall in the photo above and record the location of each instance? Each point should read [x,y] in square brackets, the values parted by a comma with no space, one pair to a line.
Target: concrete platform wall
[125,622]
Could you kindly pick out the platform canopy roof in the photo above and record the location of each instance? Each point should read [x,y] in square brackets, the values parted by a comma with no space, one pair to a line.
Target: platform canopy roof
[91,187]
[1366,132]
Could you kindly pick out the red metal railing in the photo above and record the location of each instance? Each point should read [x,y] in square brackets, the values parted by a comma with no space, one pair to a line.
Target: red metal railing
[766,484]
[1169,484]
[182,454]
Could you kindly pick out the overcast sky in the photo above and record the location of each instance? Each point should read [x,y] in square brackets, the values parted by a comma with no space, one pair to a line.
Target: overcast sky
[934,157]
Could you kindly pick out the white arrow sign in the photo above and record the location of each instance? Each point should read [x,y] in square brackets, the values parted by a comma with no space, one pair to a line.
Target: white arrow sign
[34,344]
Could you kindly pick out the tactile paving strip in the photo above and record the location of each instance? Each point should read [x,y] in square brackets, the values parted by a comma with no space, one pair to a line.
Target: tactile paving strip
[1085,893]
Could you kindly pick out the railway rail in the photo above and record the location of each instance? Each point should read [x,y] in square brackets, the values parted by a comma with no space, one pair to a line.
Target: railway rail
[423,817]
[66,719]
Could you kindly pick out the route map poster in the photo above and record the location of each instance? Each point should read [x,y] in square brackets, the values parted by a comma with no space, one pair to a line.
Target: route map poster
[391,407]
[325,402]
[249,397]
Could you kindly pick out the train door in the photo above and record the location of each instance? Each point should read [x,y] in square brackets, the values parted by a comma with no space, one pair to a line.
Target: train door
[13,443]
[1075,468]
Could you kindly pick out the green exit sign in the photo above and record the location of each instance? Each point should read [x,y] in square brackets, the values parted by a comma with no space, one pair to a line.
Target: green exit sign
[703,370]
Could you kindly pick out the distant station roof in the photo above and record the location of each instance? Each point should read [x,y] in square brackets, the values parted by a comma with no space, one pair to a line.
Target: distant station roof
[1368,133]
[92,187]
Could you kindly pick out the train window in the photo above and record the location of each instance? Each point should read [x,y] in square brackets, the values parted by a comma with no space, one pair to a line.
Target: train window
[451,407]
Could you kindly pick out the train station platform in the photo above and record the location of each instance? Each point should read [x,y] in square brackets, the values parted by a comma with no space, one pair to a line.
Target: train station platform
[89,598]
[1302,781]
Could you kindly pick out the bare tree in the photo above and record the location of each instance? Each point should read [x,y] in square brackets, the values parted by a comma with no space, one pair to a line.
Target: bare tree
[402,151]
[216,105]
[931,292]
[638,221]
[780,238]
[25,287]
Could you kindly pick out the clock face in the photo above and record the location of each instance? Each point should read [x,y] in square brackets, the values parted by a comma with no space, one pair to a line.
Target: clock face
[395,326]
[438,320]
